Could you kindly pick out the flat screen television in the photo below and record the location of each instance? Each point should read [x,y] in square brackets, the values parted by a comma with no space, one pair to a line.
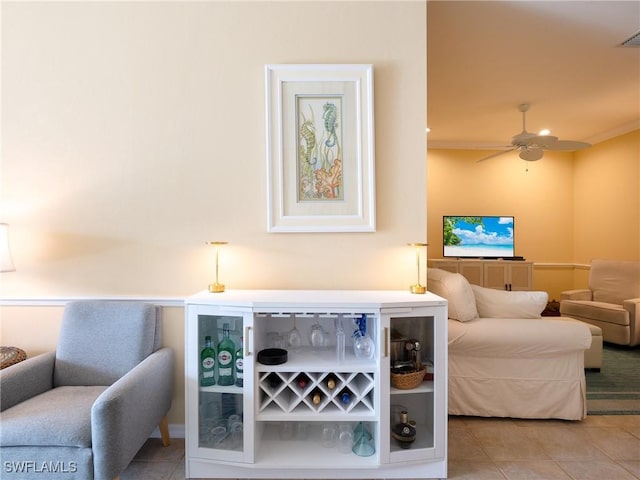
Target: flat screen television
[478,237]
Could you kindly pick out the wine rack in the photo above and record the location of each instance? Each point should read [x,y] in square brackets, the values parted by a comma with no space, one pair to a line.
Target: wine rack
[280,392]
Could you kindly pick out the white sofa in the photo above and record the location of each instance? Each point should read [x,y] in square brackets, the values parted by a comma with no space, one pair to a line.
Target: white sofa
[505,360]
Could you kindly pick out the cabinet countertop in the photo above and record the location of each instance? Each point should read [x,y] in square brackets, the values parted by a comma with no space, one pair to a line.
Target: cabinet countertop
[317,298]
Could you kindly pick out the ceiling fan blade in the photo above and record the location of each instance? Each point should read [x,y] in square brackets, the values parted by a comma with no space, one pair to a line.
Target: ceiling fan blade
[542,141]
[567,146]
[493,155]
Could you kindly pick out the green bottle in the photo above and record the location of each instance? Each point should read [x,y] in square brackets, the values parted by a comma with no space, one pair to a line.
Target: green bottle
[207,364]
[226,353]
[239,365]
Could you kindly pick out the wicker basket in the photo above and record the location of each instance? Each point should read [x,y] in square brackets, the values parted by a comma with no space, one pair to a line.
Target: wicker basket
[409,380]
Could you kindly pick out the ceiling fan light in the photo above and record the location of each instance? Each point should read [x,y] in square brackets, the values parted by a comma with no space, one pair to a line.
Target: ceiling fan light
[531,154]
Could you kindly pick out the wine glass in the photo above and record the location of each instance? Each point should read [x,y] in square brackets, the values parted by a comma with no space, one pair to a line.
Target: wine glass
[294,338]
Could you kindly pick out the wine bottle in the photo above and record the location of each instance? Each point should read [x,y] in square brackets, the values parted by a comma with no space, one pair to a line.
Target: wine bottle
[316,397]
[207,364]
[345,397]
[331,382]
[240,365]
[404,432]
[302,381]
[226,352]
[274,380]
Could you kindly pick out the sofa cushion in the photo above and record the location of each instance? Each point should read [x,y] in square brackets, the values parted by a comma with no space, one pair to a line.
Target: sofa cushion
[456,290]
[493,303]
[614,281]
[31,419]
[517,337]
[599,311]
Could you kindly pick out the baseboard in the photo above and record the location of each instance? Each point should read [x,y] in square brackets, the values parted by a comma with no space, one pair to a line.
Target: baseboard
[175,431]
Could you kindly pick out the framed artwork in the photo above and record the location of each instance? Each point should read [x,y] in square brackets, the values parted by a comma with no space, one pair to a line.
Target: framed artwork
[320,148]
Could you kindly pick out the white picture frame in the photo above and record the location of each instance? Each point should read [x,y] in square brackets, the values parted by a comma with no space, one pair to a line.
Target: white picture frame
[320,148]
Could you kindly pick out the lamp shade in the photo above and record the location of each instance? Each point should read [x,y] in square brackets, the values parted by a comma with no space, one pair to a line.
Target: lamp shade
[6,263]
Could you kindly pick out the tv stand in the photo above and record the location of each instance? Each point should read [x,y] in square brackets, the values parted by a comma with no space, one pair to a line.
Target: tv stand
[516,258]
[501,274]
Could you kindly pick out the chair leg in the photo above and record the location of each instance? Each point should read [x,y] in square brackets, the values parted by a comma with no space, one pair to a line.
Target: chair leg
[164,431]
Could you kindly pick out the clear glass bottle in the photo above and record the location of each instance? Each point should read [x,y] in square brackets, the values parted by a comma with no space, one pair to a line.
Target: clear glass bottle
[207,364]
[363,346]
[340,340]
[240,365]
[226,353]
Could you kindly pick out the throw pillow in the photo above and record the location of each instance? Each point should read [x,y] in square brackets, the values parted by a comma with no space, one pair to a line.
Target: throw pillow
[456,290]
[493,303]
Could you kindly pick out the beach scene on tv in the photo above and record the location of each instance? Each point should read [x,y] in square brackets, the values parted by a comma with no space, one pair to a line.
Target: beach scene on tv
[478,237]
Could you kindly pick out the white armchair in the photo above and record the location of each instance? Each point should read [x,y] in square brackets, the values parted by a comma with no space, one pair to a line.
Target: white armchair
[612,301]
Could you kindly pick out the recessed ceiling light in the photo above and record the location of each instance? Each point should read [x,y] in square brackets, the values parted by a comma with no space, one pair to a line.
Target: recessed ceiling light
[544,131]
[427,130]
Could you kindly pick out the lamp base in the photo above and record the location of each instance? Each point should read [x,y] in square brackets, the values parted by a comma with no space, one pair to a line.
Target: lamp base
[216,288]
[417,288]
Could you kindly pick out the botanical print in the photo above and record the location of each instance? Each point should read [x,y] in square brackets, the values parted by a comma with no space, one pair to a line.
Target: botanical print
[319,132]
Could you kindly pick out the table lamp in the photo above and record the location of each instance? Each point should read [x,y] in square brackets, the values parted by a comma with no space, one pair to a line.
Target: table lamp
[417,288]
[216,287]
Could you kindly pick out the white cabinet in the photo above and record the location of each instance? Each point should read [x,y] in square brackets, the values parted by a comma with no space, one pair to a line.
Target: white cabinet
[508,275]
[498,274]
[273,427]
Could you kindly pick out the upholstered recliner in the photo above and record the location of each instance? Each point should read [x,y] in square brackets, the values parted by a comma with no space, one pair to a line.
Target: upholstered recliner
[84,411]
[612,301]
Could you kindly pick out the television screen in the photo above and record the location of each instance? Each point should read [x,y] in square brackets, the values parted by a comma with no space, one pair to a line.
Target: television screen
[478,237]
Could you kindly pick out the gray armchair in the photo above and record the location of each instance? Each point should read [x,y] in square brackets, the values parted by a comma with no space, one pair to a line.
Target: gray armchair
[612,301]
[84,411]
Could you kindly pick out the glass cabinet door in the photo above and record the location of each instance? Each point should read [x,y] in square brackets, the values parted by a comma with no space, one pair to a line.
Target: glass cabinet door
[216,367]
[414,361]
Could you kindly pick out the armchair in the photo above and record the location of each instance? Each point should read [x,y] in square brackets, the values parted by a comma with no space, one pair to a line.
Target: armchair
[612,301]
[84,411]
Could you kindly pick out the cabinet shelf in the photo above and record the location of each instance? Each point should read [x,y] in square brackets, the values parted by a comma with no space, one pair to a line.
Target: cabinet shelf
[308,453]
[426,386]
[221,389]
[323,358]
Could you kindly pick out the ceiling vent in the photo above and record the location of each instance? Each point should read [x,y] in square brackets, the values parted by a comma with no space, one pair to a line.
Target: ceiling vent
[633,41]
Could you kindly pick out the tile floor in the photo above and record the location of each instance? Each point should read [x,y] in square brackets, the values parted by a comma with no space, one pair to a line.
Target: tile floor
[600,448]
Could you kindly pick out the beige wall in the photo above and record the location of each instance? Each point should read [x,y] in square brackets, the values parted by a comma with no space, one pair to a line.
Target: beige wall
[569,207]
[607,200]
[133,132]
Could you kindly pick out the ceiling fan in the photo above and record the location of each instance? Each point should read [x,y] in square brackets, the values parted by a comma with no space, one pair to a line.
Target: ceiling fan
[532,146]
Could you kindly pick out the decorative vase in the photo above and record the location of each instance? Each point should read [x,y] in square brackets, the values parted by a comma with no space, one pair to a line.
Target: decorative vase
[404,432]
